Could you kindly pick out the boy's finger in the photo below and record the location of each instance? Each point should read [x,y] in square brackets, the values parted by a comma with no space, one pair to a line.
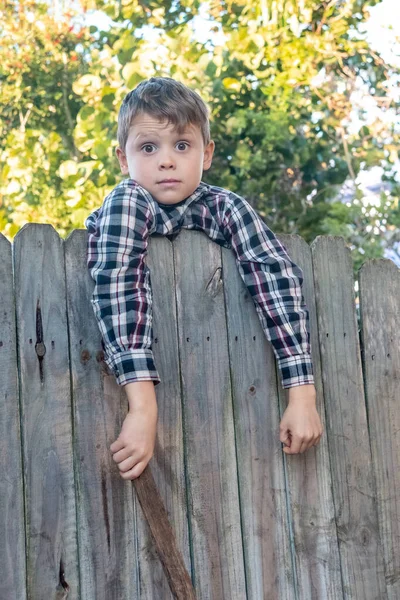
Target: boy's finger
[295,445]
[117,445]
[304,446]
[284,437]
[135,471]
[127,464]
[121,455]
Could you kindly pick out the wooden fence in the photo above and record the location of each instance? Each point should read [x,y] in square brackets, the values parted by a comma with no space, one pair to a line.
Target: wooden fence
[251,522]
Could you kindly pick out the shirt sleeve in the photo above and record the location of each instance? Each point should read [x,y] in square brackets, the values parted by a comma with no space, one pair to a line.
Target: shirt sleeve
[122,296]
[275,284]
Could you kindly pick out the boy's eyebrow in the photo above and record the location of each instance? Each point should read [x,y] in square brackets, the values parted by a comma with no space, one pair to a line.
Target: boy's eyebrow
[154,134]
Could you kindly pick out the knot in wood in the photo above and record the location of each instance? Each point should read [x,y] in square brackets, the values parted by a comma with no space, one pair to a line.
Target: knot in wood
[104,368]
[85,356]
[40,349]
[365,536]
[100,356]
[252,390]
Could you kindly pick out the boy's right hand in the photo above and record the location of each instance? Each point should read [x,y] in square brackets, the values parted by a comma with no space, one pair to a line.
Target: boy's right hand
[134,446]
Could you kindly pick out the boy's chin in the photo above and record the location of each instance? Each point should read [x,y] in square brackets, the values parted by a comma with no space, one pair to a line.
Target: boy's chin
[172,196]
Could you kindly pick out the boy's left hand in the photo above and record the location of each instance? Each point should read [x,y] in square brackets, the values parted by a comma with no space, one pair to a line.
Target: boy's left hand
[300,426]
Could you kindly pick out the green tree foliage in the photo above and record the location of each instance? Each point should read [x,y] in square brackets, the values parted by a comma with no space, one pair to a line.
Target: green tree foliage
[279,86]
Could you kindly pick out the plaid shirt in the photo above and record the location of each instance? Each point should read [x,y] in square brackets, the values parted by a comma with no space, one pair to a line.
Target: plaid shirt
[122,296]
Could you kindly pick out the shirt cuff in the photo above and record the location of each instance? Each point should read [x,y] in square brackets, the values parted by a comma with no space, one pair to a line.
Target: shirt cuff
[133,365]
[296,370]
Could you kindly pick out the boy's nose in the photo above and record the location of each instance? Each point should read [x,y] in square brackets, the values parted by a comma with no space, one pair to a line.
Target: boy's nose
[166,161]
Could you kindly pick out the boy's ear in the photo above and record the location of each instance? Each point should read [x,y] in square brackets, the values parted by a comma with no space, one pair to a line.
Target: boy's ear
[208,154]
[123,163]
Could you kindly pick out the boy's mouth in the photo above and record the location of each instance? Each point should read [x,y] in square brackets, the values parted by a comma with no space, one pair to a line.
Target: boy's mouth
[169,182]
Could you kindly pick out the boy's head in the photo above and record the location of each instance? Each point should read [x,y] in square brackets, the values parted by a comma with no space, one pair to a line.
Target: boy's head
[164,133]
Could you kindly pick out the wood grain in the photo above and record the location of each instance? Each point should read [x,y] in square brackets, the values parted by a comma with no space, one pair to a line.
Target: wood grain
[107,533]
[12,527]
[167,465]
[380,326]
[45,395]
[309,481]
[265,527]
[208,420]
[163,536]
[346,422]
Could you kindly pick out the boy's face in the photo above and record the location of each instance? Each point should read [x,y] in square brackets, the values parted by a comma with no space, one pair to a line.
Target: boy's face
[154,153]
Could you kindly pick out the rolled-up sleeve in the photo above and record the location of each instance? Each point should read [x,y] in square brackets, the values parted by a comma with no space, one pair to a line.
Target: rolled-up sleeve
[275,284]
[122,296]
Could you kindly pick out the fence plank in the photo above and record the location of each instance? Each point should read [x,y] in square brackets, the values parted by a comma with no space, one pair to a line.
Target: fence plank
[349,446]
[52,560]
[309,478]
[167,465]
[261,478]
[380,315]
[208,420]
[107,533]
[12,530]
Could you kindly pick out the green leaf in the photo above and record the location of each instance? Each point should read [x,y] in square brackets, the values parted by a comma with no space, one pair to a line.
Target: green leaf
[231,83]
[86,81]
[86,112]
[68,168]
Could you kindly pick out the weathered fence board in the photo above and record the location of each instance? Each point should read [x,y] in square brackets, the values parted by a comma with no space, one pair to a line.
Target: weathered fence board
[12,530]
[261,482]
[316,554]
[347,431]
[168,462]
[106,531]
[208,421]
[380,310]
[251,522]
[46,413]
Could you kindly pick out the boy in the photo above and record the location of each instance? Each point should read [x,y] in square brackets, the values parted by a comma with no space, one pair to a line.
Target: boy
[164,146]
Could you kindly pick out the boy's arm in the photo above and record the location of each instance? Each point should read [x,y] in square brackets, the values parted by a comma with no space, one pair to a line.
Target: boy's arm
[122,297]
[275,283]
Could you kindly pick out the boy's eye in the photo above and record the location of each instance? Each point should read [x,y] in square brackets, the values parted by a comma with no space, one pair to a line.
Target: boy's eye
[152,145]
[147,146]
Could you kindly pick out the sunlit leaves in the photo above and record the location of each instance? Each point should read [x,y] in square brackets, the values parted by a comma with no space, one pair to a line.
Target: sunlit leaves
[87,86]
[280,86]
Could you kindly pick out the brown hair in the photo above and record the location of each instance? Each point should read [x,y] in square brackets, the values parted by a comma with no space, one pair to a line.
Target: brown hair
[163,98]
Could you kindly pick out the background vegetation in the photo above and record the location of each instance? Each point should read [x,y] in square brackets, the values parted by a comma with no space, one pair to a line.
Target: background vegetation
[280,86]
